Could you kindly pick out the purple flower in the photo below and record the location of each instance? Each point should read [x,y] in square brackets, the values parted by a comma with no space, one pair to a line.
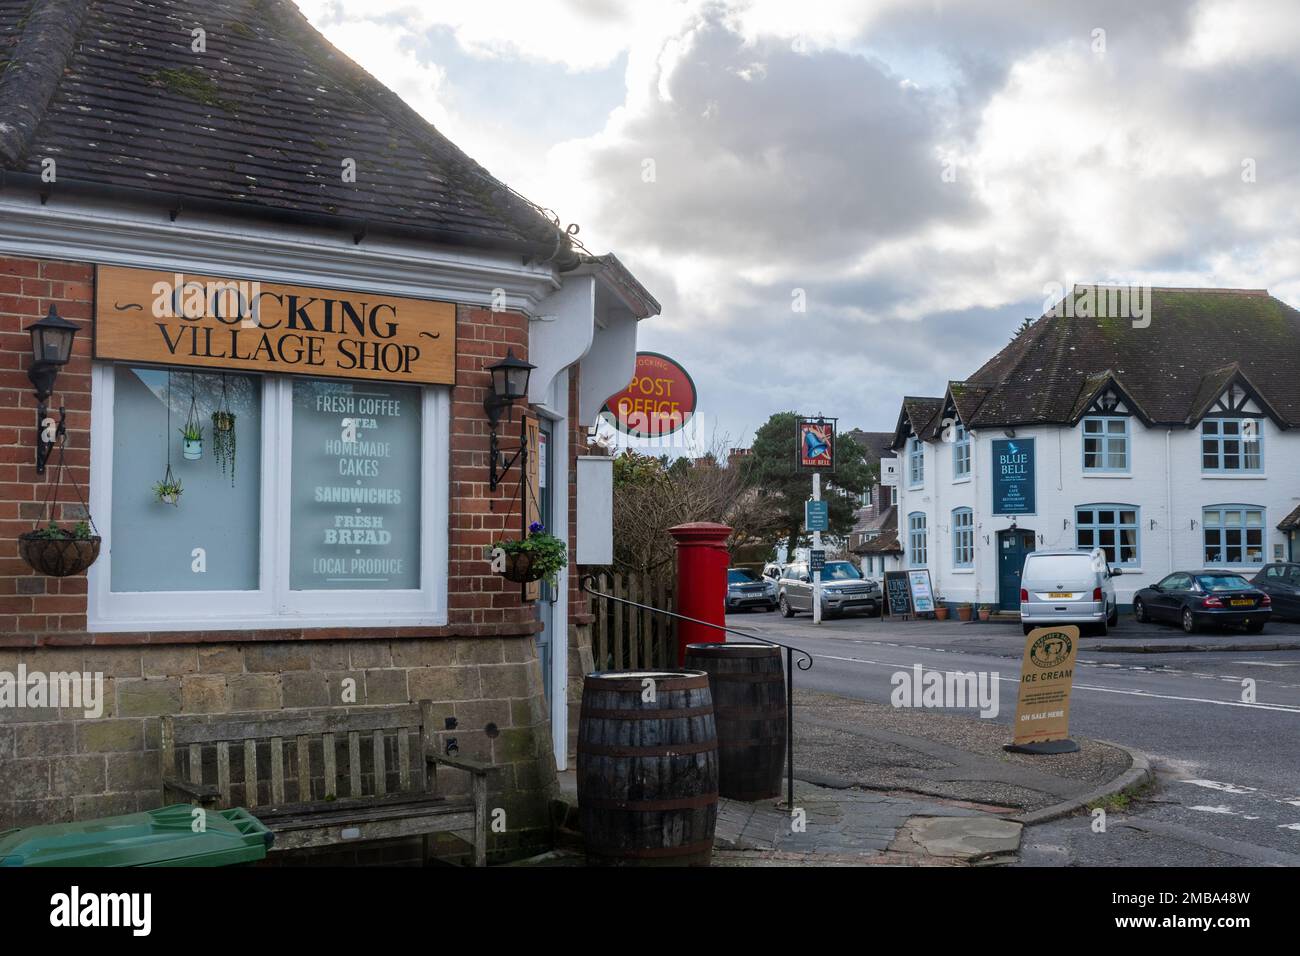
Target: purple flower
[536,527]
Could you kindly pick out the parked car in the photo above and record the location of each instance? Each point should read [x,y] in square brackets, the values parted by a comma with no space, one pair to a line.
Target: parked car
[1197,598]
[1068,587]
[844,589]
[1281,582]
[746,590]
[772,570]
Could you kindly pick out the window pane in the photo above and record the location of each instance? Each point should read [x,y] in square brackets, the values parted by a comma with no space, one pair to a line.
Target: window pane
[154,542]
[355,505]
[1211,519]
[1116,426]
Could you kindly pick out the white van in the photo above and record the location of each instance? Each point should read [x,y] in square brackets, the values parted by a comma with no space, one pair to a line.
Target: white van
[1068,587]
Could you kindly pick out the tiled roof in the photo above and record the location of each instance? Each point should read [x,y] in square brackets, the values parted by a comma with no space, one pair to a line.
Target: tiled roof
[875,445]
[1291,521]
[917,414]
[263,122]
[1196,342]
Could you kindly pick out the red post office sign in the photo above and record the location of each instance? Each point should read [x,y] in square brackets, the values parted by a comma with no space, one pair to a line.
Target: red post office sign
[658,401]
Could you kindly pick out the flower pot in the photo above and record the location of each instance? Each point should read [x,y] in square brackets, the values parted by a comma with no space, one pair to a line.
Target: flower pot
[984,614]
[193,449]
[58,557]
[171,499]
[941,613]
[964,612]
[520,568]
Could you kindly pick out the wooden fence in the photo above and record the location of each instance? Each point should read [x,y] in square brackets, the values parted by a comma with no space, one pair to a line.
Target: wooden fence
[629,638]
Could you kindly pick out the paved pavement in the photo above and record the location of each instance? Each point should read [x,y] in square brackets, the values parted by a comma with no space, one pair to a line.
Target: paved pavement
[1228,767]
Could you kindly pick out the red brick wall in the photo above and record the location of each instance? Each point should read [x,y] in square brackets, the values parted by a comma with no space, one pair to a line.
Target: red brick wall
[36,610]
[28,287]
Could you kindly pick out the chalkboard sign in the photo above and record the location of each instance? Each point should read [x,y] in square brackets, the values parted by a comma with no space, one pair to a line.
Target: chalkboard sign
[898,593]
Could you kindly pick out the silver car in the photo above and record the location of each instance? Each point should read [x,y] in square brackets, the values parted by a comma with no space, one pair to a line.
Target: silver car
[843,589]
[1068,587]
[745,590]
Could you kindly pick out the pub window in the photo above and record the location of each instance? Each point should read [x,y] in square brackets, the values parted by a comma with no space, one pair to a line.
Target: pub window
[915,463]
[1233,534]
[916,544]
[1113,528]
[333,511]
[961,454]
[1105,444]
[1232,444]
[963,538]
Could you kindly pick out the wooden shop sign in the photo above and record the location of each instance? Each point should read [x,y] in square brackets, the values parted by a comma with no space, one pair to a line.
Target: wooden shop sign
[168,318]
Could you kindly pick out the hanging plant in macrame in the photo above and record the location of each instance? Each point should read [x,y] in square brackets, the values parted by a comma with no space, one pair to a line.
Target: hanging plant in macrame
[223,434]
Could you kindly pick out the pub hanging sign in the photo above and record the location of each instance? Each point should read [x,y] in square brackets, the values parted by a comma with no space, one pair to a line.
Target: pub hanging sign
[168,318]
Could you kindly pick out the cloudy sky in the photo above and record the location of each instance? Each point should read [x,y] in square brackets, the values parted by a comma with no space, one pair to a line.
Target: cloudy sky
[918,172]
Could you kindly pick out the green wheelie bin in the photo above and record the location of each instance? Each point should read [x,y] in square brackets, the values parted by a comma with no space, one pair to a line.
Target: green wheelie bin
[168,836]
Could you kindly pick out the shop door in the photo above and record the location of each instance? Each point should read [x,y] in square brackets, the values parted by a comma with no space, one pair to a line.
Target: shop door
[1013,545]
[546,600]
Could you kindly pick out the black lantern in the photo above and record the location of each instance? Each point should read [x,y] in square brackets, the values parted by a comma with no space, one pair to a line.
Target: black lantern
[51,348]
[509,384]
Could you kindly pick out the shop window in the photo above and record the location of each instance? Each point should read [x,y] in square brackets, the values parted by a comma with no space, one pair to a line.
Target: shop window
[219,510]
[1232,445]
[961,454]
[1113,528]
[963,538]
[1233,535]
[333,512]
[1105,444]
[355,499]
[916,543]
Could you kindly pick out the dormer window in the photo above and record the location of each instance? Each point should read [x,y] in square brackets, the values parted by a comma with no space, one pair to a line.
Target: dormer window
[1105,443]
[915,463]
[1232,445]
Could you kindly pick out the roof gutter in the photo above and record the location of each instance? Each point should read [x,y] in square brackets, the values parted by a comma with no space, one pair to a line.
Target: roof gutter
[559,254]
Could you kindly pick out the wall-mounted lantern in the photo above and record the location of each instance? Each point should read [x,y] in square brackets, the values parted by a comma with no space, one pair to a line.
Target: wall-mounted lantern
[509,384]
[51,348]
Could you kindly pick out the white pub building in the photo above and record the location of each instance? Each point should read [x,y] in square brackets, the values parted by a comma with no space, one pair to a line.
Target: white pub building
[1170,441]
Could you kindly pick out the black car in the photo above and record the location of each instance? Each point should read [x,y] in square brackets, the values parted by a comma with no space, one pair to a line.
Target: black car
[1281,582]
[1197,598]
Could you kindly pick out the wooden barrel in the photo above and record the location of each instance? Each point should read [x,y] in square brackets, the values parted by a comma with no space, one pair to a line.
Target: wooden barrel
[748,684]
[647,769]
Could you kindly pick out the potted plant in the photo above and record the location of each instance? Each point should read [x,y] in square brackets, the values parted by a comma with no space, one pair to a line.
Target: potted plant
[964,612]
[223,441]
[59,552]
[985,611]
[193,435]
[537,556]
[940,609]
[168,491]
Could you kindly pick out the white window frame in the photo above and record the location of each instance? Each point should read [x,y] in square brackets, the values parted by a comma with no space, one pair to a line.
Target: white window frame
[273,605]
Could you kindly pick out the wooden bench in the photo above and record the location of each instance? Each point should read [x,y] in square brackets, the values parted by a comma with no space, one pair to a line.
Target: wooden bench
[336,800]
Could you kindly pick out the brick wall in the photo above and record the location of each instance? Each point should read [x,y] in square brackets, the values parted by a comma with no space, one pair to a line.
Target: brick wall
[482,667]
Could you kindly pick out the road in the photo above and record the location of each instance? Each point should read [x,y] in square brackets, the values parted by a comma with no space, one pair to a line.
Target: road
[1228,768]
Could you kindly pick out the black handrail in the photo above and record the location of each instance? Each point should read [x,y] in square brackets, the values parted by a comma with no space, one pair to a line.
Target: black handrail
[804,664]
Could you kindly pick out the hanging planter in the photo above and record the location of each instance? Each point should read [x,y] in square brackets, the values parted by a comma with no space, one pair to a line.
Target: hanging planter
[223,434]
[540,555]
[168,491]
[60,551]
[192,433]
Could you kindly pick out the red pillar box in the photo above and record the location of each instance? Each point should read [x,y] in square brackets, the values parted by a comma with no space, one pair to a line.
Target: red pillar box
[702,561]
